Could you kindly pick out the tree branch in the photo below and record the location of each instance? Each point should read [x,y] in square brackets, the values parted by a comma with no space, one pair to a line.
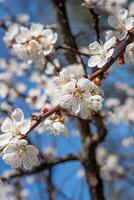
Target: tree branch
[43,166]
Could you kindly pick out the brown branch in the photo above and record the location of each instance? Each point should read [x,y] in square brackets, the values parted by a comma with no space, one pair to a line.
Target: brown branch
[95,17]
[65,28]
[92,169]
[41,118]
[72,50]
[66,33]
[43,166]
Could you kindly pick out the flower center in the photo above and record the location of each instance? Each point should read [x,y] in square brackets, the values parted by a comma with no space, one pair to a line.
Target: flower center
[78,93]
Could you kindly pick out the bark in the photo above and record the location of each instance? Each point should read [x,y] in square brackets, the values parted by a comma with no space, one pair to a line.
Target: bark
[88,159]
[65,30]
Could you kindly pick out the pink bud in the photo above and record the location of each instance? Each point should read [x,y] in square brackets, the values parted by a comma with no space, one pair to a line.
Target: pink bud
[121,60]
[45,110]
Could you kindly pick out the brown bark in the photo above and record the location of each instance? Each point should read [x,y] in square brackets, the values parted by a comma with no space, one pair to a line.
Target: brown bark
[65,28]
[88,159]
[88,153]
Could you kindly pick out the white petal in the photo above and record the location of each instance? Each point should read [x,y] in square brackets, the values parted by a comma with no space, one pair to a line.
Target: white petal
[114,23]
[102,62]
[83,83]
[30,159]
[30,162]
[68,87]
[121,35]
[108,44]
[12,159]
[36,29]
[76,108]
[93,61]
[10,148]
[17,115]
[129,23]
[110,53]
[60,128]
[25,126]
[20,51]
[32,149]
[47,50]
[7,125]
[5,138]
[96,101]
[48,34]
[55,38]
[95,48]
[20,39]
[84,112]
[109,34]
[35,47]
[66,101]
[25,33]
[65,73]
[122,14]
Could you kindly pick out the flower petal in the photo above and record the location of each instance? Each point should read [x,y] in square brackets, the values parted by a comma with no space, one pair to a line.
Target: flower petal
[32,149]
[94,61]
[114,22]
[25,126]
[122,14]
[7,125]
[129,23]
[12,159]
[109,43]
[17,115]
[95,48]
[110,53]
[36,29]
[5,138]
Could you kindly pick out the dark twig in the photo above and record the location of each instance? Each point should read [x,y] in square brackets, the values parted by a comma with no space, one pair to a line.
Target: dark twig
[72,50]
[96,19]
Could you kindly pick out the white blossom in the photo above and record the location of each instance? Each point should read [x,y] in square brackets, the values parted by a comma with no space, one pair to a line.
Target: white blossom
[50,151]
[23,18]
[113,6]
[20,153]
[10,34]
[34,43]
[14,127]
[127,142]
[54,127]
[121,23]
[64,77]
[129,52]
[96,102]
[36,99]
[76,96]
[3,90]
[80,173]
[100,53]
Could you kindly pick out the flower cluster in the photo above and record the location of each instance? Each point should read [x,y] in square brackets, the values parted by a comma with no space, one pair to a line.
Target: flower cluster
[55,125]
[16,150]
[101,53]
[121,23]
[80,97]
[31,44]
[109,164]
